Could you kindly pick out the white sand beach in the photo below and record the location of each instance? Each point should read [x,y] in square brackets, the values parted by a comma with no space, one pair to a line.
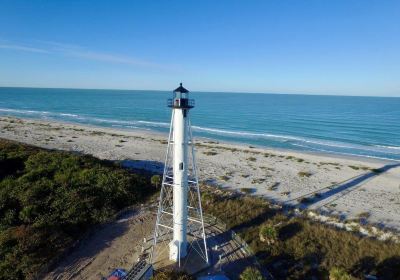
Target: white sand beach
[341,186]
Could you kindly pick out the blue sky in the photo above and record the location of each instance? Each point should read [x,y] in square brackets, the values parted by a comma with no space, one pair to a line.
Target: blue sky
[311,46]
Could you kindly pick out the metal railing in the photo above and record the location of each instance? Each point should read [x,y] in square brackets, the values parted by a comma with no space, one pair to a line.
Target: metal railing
[216,222]
[141,270]
[180,103]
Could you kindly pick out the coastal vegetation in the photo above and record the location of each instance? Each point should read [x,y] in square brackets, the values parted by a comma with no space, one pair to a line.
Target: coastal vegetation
[258,180]
[339,274]
[224,178]
[268,234]
[251,273]
[210,153]
[171,275]
[354,167]
[274,186]
[304,174]
[247,190]
[299,248]
[49,199]
[156,180]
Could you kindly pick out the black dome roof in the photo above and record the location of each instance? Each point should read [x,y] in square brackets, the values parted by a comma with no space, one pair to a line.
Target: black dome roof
[181,89]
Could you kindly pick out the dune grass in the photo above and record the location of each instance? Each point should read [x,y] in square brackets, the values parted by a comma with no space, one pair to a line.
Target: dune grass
[210,153]
[304,249]
[247,190]
[304,174]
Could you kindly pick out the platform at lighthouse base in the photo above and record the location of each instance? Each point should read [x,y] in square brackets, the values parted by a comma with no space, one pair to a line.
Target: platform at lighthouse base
[227,255]
[193,263]
[175,250]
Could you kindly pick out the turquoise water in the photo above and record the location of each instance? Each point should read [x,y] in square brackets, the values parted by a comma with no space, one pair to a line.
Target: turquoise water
[363,126]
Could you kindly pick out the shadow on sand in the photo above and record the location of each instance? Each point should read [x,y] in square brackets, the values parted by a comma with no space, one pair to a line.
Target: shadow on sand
[147,166]
[341,189]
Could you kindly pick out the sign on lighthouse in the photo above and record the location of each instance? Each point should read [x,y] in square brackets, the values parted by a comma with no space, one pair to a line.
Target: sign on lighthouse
[179,225]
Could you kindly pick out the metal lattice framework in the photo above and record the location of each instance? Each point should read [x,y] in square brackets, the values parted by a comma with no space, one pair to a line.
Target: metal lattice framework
[164,224]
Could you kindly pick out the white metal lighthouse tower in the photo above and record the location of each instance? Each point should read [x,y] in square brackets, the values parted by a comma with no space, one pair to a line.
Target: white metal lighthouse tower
[179,226]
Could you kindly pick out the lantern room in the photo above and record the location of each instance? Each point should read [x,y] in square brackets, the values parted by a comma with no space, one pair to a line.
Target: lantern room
[180,99]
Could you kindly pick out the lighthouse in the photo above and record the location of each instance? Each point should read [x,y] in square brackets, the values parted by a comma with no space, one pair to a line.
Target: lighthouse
[179,224]
[180,104]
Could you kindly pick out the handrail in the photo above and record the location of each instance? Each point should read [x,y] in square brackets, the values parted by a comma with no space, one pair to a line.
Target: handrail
[180,103]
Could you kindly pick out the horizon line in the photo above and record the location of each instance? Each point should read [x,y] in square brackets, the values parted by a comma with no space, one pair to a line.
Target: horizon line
[203,91]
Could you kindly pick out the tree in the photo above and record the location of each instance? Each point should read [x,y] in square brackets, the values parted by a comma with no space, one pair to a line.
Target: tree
[251,273]
[156,180]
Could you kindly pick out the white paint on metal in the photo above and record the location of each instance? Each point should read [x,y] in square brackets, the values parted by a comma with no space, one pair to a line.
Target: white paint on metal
[179,211]
[178,246]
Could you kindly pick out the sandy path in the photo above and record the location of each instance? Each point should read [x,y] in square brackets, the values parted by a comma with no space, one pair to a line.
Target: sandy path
[338,185]
[115,245]
[118,245]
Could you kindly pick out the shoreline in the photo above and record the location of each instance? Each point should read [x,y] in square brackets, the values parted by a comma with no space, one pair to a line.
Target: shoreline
[333,146]
[354,188]
[335,155]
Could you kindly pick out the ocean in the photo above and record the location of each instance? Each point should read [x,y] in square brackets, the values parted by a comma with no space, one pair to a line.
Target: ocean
[346,125]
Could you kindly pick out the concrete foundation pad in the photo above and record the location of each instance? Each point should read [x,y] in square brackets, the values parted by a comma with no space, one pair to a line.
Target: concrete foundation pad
[192,263]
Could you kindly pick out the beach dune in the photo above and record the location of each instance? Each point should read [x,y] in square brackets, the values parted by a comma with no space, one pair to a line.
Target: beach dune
[351,188]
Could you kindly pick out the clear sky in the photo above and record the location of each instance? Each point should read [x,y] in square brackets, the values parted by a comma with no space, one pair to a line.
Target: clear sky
[300,46]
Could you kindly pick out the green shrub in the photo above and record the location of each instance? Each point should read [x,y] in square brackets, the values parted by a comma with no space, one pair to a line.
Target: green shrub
[251,273]
[304,174]
[258,181]
[172,275]
[354,167]
[224,178]
[48,199]
[210,153]
[268,234]
[339,274]
[207,197]
[156,180]
[247,190]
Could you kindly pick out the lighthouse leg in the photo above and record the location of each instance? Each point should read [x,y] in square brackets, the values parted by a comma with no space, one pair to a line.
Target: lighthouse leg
[178,246]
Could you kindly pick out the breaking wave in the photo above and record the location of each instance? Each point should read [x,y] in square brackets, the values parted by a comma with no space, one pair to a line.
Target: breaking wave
[264,139]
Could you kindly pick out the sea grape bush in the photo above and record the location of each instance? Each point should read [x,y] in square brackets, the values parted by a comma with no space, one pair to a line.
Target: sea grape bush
[48,199]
